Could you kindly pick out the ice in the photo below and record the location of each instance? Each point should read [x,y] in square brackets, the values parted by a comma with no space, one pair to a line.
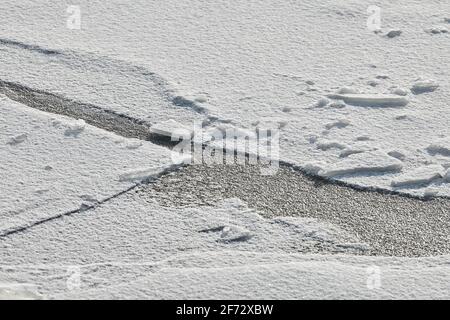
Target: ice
[423,86]
[366,162]
[371,100]
[131,236]
[171,128]
[46,174]
[152,71]
[132,247]
[420,176]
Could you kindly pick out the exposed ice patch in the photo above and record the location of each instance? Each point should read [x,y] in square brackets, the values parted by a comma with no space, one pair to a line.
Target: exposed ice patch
[419,176]
[362,163]
[423,86]
[371,100]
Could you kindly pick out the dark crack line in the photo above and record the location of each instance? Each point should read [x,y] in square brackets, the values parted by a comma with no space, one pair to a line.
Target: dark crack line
[86,208]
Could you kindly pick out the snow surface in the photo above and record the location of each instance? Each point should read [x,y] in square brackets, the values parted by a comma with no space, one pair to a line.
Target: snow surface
[53,164]
[367,108]
[252,64]
[131,247]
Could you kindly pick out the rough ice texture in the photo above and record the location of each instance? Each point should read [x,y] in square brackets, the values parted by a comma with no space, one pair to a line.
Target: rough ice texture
[131,247]
[52,164]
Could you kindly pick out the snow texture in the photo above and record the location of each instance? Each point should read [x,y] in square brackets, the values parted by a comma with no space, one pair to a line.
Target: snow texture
[121,250]
[52,164]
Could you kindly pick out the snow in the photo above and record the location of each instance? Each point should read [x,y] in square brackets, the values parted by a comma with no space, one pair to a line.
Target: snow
[248,69]
[362,107]
[121,250]
[51,164]
[424,175]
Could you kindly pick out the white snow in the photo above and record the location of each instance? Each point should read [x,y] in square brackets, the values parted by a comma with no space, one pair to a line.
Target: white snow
[135,248]
[237,65]
[151,66]
[49,162]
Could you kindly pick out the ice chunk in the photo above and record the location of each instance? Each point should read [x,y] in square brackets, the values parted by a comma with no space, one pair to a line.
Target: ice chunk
[362,162]
[170,128]
[139,174]
[422,175]
[423,86]
[371,100]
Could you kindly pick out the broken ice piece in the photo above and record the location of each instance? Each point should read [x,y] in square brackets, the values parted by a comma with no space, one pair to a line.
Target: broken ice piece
[423,86]
[366,162]
[371,100]
[171,128]
[422,175]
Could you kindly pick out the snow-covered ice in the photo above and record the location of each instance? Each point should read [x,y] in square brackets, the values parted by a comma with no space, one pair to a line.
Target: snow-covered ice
[232,73]
[368,107]
[128,249]
[51,164]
